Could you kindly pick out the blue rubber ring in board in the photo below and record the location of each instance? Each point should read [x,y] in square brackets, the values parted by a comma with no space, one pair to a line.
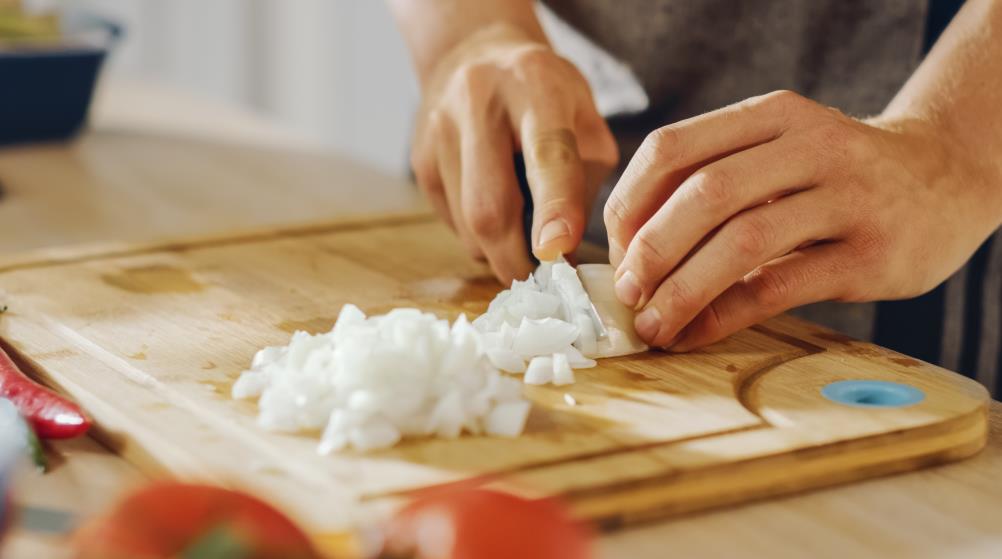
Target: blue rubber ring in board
[872,394]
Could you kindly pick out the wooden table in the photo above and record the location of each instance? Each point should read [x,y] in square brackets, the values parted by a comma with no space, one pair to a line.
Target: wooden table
[949,511]
[109,188]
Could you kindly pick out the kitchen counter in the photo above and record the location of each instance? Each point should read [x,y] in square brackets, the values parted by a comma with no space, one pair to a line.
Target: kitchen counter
[209,170]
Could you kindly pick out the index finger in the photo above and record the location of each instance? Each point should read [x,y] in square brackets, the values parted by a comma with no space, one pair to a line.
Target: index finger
[556,179]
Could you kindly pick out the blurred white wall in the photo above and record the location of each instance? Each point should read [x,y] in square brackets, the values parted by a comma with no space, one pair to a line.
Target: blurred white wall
[334,70]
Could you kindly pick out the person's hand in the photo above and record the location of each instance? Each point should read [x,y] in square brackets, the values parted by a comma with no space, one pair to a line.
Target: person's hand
[496,93]
[731,217]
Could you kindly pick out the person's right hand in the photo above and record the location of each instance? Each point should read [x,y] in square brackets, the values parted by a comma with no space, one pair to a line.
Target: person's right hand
[496,93]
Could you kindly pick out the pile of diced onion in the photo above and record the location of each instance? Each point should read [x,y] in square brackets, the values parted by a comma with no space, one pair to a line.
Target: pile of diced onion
[541,326]
[371,381]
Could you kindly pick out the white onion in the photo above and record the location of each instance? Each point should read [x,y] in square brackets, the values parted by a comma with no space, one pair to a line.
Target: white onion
[547,335]
[506,360]
[371,381]
[507,419]
[540,370]
[551,313]
[562,372]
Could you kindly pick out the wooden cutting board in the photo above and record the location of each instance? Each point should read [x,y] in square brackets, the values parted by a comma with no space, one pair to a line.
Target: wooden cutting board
[150,340]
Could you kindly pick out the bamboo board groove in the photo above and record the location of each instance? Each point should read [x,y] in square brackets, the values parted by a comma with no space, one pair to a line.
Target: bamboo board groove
[150,341]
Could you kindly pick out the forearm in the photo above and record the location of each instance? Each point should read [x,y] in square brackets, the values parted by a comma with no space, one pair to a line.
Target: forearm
[432,27]
[958,88]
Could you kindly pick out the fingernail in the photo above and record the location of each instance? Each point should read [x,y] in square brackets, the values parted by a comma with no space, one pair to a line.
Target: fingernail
[628,289]
[648,324]
[551,231]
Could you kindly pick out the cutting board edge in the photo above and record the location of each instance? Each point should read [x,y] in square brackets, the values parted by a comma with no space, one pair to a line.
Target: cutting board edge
[921,447]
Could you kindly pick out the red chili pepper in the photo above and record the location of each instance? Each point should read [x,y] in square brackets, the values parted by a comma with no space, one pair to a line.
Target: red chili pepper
[51,416]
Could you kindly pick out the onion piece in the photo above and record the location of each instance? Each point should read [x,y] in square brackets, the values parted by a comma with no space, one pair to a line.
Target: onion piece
[506,360]
[540,370]
[562,372]
[576,360]
[538,337]
[508,419]
[371,381]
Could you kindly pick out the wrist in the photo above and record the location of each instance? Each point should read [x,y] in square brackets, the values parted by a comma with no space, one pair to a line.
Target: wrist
[940,156]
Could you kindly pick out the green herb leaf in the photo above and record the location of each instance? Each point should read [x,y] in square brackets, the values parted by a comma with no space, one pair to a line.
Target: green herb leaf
[36,451]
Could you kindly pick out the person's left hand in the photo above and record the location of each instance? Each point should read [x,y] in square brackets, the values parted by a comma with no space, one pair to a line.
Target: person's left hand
[731,217]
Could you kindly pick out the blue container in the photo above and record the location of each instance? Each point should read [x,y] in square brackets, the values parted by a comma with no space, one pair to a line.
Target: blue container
[47,90]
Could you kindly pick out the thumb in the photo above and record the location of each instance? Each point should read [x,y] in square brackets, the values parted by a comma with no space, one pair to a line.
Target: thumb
[557,182]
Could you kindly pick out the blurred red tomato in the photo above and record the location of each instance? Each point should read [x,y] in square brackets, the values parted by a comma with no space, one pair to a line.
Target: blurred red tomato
[192,521]
[483,524]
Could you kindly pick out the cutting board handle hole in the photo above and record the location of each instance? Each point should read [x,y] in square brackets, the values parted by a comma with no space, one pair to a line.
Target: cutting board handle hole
[872,394]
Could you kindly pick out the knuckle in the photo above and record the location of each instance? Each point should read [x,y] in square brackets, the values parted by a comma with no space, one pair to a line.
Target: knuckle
[649,251]
[870,244]
[784,99]
[660,147]
[769,288]
[714,321]
[486,220]
[545,71]
[713,189]
[435,121]
[836,140]
[856,146]
[473,74]
[783,104]
[677,299]
[554,148]
[535,60]
[473,83]
[750,237]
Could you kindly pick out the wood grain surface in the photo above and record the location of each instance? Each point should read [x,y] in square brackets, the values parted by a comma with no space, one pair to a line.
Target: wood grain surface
[150,341]
[111,190]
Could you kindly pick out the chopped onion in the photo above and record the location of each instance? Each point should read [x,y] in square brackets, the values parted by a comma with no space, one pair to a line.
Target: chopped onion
[551,313]
[547,335]
[371,381]
[540,370]
[507,419]
[506,360]
[562,372]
